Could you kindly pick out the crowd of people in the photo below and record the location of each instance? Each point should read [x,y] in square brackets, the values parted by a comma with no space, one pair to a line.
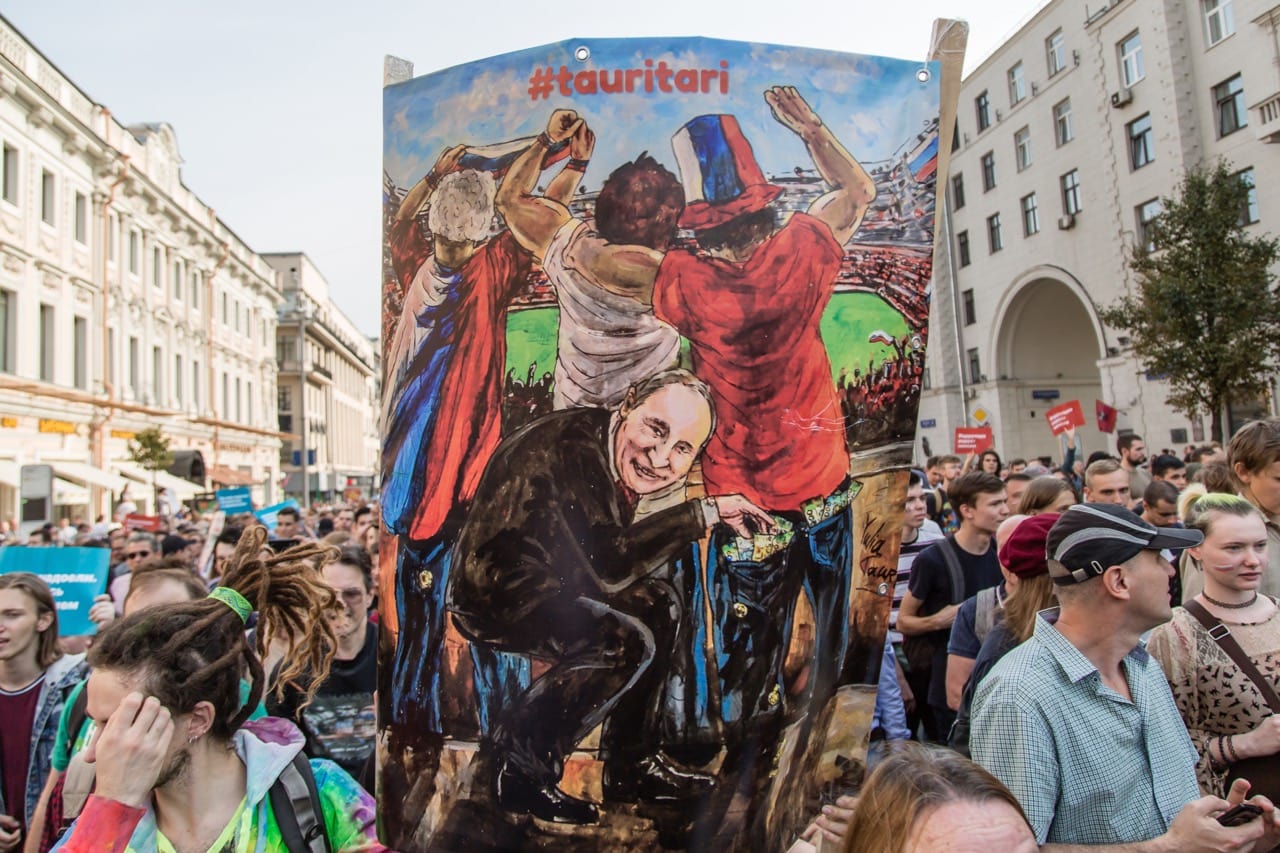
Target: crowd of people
[224,703]
[1088,652]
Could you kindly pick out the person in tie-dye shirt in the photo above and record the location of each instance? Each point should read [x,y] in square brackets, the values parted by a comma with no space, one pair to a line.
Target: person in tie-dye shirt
[178,765]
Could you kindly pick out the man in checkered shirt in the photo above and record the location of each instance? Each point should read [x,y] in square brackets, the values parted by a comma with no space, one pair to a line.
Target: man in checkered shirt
[1079,721]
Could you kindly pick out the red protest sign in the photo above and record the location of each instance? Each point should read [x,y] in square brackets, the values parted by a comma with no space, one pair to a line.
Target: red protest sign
[1065,416]
[974,439]
[149,523]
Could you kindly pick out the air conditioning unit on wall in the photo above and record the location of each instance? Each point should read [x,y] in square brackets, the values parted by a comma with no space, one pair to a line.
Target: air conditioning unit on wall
[1122,97]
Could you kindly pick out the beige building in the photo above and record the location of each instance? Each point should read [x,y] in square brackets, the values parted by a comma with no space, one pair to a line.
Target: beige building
[125,302]
[335,418]
[1067,137]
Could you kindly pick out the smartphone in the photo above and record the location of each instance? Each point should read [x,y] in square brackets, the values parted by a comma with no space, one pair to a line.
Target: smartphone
[1240,815]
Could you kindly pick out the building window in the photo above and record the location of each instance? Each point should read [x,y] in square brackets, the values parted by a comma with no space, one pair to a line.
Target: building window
[962,241]
[1022,148]
[238,397]
[1145,214]
[47,335]
[1017,85]
[1062,129]
[195,384]
[82,219]
[195,289]
[957,191]
[157,267]
[1055,49]
[178,278]
[113,233]
[248,402]
[284,399]
[157,376]
[1030,216]
[982,104]
[1142,149]
[135,253]
[111,356]
[988,171]
[10,174]
[235,311]
[1070,183]
[1229,98]
[1219,20]
[177,379]
[970,313]
[975,366]
[1249,211]
[48,200]
[6,331]
[994,241]
[133,365]
[226,397]
[1131,68]
[80,341]
[226,300]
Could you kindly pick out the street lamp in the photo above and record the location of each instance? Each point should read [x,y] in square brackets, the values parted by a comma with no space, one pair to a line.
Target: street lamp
[303,307]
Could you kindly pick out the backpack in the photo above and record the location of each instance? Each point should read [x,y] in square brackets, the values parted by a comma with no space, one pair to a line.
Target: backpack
[295,800]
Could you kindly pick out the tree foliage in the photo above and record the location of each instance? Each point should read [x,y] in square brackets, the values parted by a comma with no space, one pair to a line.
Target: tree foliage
[1205,314]
[149,449]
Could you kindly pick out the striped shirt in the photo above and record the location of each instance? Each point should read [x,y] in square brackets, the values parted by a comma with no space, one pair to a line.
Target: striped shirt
[907,553]
[1088,766]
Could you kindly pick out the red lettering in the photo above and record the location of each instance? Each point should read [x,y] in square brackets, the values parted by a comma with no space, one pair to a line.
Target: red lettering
[687,80]
[584,82]
[633,74]
[615,86]
[563,77]
[664,76]
[724,77]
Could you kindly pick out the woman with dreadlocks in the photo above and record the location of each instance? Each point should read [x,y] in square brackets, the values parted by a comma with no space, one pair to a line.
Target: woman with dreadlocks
[179,768]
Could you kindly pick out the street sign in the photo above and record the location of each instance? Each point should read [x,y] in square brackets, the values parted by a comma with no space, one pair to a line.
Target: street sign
[928,423]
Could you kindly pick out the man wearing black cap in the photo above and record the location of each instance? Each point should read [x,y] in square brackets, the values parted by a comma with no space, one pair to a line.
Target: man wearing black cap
[1079,722]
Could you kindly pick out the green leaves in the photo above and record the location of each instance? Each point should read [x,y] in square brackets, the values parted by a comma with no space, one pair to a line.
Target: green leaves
[1206,312]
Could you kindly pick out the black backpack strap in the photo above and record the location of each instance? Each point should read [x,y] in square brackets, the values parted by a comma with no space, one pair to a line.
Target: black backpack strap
[295,802]
[79,713]
[947,547]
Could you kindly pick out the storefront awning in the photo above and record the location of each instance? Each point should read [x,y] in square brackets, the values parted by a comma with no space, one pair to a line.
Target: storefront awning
[225,475]
[177,486]
[66,493]
[88,475]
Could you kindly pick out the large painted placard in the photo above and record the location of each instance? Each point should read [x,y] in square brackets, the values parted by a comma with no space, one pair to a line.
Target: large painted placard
[654,327]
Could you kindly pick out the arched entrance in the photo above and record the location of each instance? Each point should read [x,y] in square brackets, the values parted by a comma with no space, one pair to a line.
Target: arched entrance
[1047,340]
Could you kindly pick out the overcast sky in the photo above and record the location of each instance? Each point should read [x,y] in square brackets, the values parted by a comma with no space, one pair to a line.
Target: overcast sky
[277,105]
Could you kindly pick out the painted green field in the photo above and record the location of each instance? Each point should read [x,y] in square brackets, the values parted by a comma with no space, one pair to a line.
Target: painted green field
[848,321]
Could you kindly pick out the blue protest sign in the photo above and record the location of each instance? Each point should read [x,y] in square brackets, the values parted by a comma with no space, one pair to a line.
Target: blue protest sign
[234,500]
[75,575]
[267,515]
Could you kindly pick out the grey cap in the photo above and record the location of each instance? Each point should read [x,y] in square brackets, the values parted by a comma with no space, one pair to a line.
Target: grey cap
[1090,538]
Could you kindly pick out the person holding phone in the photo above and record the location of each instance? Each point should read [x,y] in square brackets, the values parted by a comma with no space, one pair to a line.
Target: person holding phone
[1079,722]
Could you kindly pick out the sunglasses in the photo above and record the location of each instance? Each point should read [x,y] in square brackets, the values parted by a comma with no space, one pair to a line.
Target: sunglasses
[137,555]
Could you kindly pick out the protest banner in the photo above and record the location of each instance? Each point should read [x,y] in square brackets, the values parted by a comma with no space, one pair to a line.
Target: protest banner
[136,521]
[1062,417]
[76,576]
[205,565]
[973,439]
[235,500]
[267,515]
[501,385]
[1106,416]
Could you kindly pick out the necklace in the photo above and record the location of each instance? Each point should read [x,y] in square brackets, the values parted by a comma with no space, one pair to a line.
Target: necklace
[1223,604]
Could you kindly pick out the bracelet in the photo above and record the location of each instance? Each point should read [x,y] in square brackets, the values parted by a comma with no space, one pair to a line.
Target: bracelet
[576,165]
[1222,752]
[545,140]
[1231,747]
